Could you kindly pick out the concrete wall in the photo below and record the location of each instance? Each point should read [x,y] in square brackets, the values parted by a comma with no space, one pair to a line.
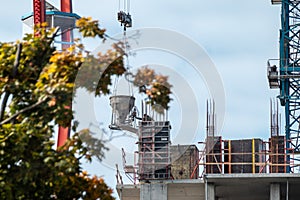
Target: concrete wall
[154,191]
[190,191]
[128,192]
[219,187]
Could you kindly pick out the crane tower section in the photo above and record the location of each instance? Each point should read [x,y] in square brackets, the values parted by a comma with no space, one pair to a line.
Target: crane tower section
[288,77]
[62,18]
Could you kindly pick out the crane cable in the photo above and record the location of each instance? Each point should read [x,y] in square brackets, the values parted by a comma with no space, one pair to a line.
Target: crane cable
[126,5]
[127,73]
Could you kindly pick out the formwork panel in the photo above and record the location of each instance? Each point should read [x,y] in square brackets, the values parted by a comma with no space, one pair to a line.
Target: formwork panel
[184,159]
[244,156]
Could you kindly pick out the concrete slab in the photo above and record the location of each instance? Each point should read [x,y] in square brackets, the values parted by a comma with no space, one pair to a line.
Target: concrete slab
[253,186]
[189,189]
[227,187]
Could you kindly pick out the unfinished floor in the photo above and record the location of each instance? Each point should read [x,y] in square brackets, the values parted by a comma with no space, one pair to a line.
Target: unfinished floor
[217,187]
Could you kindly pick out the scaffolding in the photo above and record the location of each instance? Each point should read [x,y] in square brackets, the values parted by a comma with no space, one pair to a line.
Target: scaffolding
[130,170]
[277,154]
[213,155]
[154,150]
[213,147]
[158,160]
[245,155]
[248,156]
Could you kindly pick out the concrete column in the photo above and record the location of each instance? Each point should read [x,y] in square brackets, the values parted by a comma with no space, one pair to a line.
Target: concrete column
[154,191]
[274,191]
[210,191]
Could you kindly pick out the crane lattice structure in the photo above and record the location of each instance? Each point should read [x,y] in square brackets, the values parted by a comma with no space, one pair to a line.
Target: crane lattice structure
[288,78]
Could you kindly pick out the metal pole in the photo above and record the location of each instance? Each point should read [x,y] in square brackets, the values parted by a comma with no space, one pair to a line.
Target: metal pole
[285,83]
[206,190]
[39,11]
[253,156]
[66,6]
[287,190]
[64,132]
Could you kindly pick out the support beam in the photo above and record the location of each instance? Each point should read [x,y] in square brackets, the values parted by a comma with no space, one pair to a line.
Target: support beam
[274,191]
[210,191]
[154,191]
[64,132]
[66,6]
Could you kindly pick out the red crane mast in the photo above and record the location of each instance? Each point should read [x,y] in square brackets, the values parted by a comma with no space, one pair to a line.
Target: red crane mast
[39,11]
[39,16]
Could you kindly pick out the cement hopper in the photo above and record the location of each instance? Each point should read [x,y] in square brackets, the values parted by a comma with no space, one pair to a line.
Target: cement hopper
[121,107]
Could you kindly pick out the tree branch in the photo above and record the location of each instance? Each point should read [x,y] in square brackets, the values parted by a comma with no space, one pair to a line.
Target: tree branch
[22,111]
[14,73]
[17,60]
[3,105]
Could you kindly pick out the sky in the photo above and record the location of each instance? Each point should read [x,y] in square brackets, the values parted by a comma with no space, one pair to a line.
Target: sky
[238,36]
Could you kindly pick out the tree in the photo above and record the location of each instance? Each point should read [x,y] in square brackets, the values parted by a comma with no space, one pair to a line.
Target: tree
[36,86]
[155,86]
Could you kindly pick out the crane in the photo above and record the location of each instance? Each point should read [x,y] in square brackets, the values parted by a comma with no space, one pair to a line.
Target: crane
[39,16]
[287,77]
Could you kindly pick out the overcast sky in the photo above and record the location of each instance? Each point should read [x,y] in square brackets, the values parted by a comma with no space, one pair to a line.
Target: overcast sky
[238,36]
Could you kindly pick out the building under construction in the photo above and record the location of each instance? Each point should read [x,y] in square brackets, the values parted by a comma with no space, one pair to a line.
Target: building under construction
[223,169]
[216,169]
